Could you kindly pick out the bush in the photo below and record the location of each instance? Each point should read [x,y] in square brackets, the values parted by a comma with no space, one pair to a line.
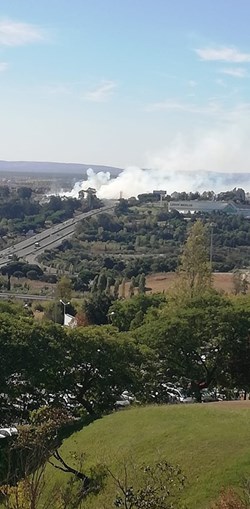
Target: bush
[18,274]
[32,274]
[38,307]
[49,278]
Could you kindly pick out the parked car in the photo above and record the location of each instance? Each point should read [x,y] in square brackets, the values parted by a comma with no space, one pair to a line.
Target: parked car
[8,432]
[125,400]
[208,396]
[177,394]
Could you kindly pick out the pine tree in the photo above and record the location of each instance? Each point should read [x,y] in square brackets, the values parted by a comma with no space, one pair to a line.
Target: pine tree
[131,290]
[108,285]
[116,289]
[123,288]
[102,282]
[142,284]
[94,284]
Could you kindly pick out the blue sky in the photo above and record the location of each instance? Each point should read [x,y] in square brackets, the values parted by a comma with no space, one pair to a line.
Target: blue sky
[161,83]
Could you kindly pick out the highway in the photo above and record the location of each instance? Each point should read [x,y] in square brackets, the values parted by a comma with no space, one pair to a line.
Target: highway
[25,296]
[50,238]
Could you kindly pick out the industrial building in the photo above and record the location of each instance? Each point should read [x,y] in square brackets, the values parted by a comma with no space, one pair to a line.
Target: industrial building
[184,206]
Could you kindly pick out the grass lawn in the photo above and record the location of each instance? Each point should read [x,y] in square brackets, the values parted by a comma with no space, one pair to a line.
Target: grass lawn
[209,442]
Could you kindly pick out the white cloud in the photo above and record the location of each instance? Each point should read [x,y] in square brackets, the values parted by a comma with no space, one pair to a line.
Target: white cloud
[101,93]
[3,66]
[212,107]
[15,33]
[59,89]
[223,54]
[221,83]
[192,83]
[236,72]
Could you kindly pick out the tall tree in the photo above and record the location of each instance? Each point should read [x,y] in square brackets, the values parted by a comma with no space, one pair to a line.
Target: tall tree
[123,288]
[142,284]
[108,285]
[102,282]
[64,288]
[116,289]
[194,272]
[131,290]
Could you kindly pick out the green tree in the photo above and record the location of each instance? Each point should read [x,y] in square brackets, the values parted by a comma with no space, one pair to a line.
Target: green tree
[116,289]
[24,192]
[64,288]
[101,363]
[194,272]
[123,288]
[198,343]
[131,290]
[125,311]
[102,282]
[240,282]
[142,284]
[96,308]
[94,284]
[108,285]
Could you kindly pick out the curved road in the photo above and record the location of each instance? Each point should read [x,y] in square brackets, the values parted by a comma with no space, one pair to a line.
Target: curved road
[47,239]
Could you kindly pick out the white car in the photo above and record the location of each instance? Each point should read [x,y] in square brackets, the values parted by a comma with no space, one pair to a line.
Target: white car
[8,432]
[126,400]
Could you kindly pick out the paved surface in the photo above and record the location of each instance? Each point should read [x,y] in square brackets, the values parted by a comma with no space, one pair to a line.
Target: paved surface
[47,239]
[24,296]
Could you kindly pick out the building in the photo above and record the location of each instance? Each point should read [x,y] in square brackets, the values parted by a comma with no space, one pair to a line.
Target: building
[69,321]
[185,206]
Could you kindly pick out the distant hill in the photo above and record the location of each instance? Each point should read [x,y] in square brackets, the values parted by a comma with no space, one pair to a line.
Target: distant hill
[51,167]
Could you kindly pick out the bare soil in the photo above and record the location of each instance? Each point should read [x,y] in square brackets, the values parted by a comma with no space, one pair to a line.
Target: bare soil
[163,281]
[34,286]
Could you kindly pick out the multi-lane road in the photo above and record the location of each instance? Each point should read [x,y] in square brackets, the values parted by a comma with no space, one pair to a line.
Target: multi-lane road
[29,249]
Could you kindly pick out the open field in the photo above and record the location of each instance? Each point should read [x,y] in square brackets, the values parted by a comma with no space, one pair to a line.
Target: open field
[155,283]
[210,442]
[163,281]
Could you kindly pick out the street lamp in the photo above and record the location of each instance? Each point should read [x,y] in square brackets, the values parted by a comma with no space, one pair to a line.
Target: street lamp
[64,309]
[111,316]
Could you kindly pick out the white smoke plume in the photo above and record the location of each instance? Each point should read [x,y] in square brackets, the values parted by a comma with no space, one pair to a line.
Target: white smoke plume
[217,161]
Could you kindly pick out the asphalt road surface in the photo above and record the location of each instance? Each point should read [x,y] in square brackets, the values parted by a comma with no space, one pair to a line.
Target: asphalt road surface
[27,249]
[25,296]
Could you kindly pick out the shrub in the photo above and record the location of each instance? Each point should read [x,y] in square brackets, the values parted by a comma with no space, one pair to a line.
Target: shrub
[18,274]
[32,274]
[38,307]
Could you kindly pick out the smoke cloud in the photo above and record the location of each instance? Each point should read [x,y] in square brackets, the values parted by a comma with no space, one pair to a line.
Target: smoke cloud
[217,161]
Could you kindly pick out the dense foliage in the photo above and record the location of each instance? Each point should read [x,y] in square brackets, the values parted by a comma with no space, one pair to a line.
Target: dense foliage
[146,239]
[21,211]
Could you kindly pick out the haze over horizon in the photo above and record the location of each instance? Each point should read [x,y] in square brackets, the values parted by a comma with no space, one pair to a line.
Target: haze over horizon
[165,86]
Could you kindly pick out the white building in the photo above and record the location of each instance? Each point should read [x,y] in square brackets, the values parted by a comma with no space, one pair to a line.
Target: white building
[185,206]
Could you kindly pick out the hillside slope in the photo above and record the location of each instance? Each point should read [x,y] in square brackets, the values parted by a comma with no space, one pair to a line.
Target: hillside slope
[210,443]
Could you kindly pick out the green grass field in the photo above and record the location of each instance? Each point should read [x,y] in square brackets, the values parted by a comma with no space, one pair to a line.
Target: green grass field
[209,442]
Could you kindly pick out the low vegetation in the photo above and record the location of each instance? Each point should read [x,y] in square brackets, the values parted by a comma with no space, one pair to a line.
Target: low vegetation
[209,442]
[54,379]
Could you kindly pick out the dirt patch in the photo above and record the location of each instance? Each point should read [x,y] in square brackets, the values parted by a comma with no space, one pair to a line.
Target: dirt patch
[163,281]
[236,405]
[34,286]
